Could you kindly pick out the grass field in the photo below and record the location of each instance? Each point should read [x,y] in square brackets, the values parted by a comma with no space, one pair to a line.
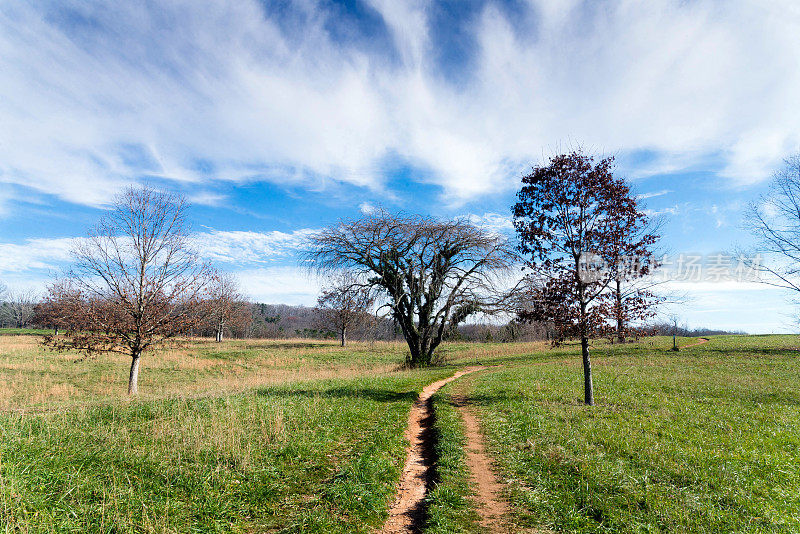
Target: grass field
[310,453]
[704,440]
[297,436]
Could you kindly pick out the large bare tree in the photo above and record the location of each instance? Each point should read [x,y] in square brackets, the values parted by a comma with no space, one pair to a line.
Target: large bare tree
[775,222]
[345,304]
[136,280]
[431,272]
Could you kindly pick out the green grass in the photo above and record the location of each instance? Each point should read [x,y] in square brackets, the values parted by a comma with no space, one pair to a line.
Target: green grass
[24,332]
[322,456]
[305,436]
[703,440]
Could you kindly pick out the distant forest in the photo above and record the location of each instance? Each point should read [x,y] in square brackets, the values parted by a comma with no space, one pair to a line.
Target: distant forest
[281,321]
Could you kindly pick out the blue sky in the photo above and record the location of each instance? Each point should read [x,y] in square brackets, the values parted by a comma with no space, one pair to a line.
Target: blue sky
[277,118]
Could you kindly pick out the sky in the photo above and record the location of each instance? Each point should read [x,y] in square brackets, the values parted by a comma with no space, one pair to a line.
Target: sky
[278,118]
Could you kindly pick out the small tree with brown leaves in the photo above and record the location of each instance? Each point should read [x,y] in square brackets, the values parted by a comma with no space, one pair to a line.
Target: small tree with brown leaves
[228,308]
[136,281]
[568,217]
[345,304]
[632,262]
[62,307]
[427,270]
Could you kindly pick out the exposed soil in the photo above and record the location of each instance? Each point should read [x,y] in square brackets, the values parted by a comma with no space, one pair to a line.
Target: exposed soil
[491,506]
[700,341]
[407,514]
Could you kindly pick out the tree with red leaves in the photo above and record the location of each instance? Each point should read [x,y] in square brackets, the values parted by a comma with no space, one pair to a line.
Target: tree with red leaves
[632,261]
[573,217]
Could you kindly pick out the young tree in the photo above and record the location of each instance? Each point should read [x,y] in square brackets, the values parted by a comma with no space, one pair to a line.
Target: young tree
[631,263]
[428,270]
[228,308]
[345,304]
[138,280]
[61,308]
[568,218]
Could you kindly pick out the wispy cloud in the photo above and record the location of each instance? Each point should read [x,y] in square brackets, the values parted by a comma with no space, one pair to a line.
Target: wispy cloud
[242,247]
[495,222]
[34,254]
[653,194]
[94,95]
[237,250]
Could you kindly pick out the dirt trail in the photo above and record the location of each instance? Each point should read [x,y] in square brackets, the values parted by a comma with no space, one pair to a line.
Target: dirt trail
[491,507]
[699,341]
[407,513]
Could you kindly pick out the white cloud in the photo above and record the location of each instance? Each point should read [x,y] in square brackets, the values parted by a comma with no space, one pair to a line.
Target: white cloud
[493,221]
[367,208]
[216,246]
[34,254]
[669,210]
[284,285]
[241,247]
[136,90]
[653,194]
[206,198]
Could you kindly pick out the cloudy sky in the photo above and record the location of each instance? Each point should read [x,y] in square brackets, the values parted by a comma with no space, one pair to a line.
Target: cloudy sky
[277,118]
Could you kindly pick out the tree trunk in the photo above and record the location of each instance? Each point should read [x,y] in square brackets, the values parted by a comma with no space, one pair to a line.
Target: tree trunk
[620,321]
[415,351]
[220,327]
[133,379]
[344,336]
[588,391]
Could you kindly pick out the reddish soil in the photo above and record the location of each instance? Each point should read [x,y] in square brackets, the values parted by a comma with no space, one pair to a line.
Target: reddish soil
[700,341]
[407,514]
[488,490]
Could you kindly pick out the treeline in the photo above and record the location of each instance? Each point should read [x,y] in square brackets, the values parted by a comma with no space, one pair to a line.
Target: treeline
[283,321]
[668,329]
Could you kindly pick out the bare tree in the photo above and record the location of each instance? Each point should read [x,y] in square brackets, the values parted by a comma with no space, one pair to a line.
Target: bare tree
[228,308]
[345,304]
[431,272]
[21,305]
[138,280]
[775,222]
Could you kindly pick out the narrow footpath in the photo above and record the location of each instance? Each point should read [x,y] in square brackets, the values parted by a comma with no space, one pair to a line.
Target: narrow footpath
[407,513]
[491,507]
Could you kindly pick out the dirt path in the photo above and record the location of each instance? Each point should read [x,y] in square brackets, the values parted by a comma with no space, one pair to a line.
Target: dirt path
[699,341]
[407,513]
[491,507]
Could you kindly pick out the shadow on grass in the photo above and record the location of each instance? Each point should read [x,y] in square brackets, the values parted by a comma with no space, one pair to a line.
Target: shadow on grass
[378,395]
[290,345]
